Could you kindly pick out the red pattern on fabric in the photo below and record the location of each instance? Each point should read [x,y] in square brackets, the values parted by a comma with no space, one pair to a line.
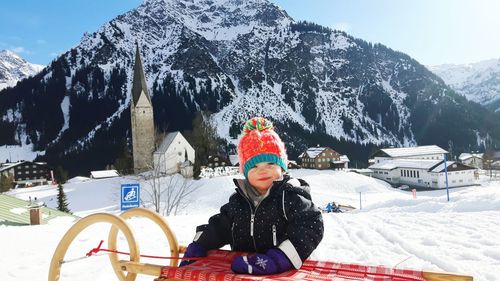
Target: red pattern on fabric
[218,268]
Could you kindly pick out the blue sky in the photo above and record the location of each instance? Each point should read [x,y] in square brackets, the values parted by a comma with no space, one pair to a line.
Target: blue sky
[431,31]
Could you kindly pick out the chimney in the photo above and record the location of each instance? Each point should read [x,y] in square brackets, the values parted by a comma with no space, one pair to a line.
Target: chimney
[35,213]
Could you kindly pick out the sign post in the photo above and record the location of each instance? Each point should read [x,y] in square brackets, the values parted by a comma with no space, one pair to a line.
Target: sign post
[446,175]
[130,196]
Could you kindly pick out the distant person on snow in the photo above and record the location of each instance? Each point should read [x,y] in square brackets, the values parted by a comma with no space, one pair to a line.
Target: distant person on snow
[329,207]
[270,214]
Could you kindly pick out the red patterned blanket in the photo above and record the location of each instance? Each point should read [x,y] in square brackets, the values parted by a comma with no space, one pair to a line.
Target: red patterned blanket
[217,267]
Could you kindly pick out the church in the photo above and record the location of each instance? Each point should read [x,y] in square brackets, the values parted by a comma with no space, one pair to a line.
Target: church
[143,134]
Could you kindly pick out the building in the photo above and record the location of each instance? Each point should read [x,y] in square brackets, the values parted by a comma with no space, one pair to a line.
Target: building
[142,123]
[428,152]
[174,153]
[472,159]
[322,158]
[424,173]
[26,173]
[104,174]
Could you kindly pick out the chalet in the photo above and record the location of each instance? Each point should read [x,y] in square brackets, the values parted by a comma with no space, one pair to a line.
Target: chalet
[425,173]
[26,173]
[174,155]
[292,165]
[472,159]
[322,158]
[429,152]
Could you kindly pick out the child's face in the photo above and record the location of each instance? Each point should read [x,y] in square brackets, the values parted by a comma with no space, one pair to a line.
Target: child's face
[262,175]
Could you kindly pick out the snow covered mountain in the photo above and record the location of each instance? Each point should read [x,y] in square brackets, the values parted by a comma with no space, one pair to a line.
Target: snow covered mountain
[236,59]
[479,82]
[13,68]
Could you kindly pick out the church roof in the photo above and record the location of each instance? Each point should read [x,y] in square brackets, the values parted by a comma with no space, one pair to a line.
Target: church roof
[139,83]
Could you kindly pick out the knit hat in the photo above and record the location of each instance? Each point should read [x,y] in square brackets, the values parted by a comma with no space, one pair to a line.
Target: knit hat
[260,143]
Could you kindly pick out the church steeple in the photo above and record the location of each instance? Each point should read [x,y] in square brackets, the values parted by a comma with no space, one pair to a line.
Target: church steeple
[141,117]
[139,83]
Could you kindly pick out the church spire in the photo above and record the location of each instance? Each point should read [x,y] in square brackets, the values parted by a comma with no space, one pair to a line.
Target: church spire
[139,84]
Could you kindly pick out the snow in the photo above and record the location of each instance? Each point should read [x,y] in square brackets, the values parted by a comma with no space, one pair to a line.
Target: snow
[15,153]
[392,229]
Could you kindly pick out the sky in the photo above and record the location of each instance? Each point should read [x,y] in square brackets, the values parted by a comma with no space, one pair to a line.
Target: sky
[392,228]
[433,32]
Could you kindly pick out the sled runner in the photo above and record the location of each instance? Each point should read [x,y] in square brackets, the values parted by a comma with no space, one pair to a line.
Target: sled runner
[217,265]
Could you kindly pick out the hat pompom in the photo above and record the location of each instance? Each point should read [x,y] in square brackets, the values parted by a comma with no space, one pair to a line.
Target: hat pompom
[257,123]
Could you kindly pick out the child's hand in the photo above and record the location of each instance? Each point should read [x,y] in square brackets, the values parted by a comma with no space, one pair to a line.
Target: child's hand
[194,250]
[272,262]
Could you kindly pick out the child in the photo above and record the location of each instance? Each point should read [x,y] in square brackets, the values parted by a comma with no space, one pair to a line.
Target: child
[269,214]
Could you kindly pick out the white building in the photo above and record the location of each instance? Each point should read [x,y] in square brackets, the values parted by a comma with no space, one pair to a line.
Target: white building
[428,152]
[104,174]
[421,166]
[472,159]
[175,155]
[424,173]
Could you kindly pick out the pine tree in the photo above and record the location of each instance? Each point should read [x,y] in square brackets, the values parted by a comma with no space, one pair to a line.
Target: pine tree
[5,183]
[62,204]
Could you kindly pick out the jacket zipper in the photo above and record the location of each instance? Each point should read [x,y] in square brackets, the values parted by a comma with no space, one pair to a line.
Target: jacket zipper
[274,236]
[232,236]
[252,219]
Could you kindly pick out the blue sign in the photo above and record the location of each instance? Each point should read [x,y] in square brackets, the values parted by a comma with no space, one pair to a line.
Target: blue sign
[130,195]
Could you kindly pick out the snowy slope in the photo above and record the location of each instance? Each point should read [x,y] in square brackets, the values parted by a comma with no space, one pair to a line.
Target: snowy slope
[479,82]
[13,69]
[392,228]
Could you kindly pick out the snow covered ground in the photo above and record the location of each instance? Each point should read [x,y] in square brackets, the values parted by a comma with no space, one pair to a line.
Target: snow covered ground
[392,228]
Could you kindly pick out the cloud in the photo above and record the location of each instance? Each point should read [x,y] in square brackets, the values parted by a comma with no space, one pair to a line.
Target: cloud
[19,50]
[343,26]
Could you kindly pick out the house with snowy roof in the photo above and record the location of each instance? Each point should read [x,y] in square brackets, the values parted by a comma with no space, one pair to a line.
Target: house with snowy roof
[323,158]
[472,159]
[421,166]
[26,173]
[174,155]
[424,173]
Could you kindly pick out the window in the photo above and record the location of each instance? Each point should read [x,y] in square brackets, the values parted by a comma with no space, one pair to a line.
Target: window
[319,165]
[418,174]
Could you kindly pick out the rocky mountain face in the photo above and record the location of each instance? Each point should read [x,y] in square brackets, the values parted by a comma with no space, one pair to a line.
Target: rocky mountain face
[478,82]
[13,69]
[236,59]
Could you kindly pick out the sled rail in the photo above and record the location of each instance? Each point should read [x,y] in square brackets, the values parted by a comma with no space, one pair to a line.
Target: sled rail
[127,270]
[155,270]
[440,276]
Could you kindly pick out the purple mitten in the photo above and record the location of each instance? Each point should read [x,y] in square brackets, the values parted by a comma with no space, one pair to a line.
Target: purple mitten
[194,250]
[272,262]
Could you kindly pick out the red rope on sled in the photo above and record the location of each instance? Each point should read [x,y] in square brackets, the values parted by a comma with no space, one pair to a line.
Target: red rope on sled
[99,249]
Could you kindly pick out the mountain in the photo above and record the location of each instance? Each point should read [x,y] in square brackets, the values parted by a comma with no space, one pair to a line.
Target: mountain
[13,69]
[236,59]
[479,82]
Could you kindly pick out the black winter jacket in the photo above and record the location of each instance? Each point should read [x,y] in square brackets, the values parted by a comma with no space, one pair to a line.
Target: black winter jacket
[286,218]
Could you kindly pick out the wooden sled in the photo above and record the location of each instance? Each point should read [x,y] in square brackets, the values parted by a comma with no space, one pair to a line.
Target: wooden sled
[217,266]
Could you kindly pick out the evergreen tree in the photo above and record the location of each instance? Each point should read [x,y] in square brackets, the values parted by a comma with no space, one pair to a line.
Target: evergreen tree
[61,176]
[203,139]
[5,183]
[62,204]
[125,163]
